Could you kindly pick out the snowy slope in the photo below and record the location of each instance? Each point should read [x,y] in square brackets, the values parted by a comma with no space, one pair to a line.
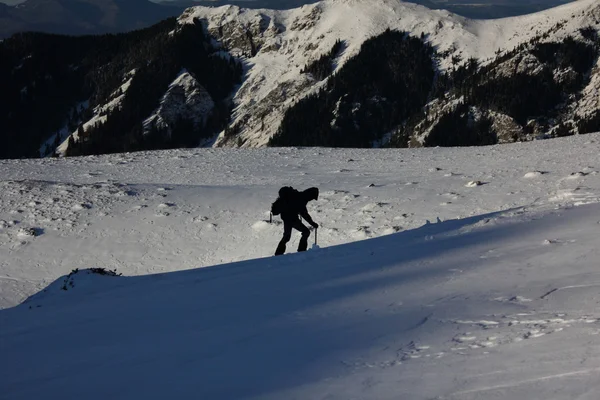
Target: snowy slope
[163,211]
[278,44]
[496,299]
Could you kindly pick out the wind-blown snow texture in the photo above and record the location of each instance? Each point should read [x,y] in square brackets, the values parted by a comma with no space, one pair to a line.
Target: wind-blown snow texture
[488,289]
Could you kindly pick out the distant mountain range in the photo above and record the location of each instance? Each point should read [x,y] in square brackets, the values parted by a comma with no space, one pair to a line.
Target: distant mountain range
[79,17]
[479,9]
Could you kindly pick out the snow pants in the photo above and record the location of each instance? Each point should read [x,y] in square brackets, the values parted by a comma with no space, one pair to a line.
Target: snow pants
[287,235]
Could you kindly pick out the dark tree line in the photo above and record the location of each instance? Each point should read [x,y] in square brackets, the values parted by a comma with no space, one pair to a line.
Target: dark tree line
[324,66]
[472,132]
[188,48]
[372,93]
[385,87]
[520,95]
[45,76]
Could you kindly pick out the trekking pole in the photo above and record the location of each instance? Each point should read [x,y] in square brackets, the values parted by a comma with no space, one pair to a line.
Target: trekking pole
[271,218]
[316,231]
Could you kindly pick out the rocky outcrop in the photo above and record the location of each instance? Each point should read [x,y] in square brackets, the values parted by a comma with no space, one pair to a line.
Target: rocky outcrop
[185,100]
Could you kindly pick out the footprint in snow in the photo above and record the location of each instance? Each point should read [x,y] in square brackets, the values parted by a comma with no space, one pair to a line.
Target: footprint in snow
[372,206]
[260,226]
[532,334]
[362,232]
[210,227]
[533,174]
[138,208]
[474,184]
[80,207]
[451,195]
[577,175]
[391,230]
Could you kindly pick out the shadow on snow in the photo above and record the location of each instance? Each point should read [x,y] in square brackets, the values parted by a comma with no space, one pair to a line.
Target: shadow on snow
[248,329]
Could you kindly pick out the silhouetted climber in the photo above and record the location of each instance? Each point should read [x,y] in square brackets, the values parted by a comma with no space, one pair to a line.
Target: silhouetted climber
[291,204]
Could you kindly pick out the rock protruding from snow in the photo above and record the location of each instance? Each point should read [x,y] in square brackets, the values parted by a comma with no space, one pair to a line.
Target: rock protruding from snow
[590,96]
[520,63]
[186,99]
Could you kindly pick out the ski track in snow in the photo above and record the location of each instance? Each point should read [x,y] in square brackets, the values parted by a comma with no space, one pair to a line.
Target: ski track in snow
[464,291]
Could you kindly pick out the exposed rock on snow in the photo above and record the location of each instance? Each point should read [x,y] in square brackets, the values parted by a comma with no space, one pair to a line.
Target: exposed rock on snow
[590,96]
[260,226]
[506,128]
[185,99]
[521,63]
[28,232]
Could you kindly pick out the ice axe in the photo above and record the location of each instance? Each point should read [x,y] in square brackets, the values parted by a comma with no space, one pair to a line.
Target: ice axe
[315,246]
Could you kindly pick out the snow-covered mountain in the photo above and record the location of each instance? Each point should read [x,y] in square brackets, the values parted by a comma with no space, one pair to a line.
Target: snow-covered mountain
[325,74]
[279,44]
[486,9]
[165,86]
[443,273]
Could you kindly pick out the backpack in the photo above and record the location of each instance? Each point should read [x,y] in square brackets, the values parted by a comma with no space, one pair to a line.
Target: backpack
[277,207]
[284,200]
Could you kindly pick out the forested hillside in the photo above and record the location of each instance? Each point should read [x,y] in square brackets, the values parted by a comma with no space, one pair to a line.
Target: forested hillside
[391,94]
[54,84]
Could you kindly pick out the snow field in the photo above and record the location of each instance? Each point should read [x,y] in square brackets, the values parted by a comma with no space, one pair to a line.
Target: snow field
[459,292]
[157,212]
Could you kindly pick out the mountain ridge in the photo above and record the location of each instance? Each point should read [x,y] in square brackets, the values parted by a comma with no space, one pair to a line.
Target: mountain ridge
[288,40]
[297,60]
